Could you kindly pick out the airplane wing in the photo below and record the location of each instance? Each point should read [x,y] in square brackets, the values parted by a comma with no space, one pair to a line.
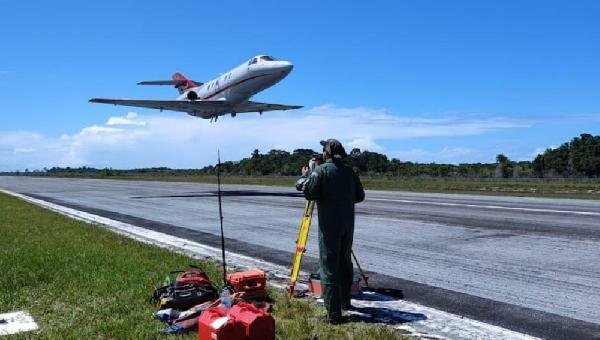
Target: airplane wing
[262,107]
[201,108]
[167,82]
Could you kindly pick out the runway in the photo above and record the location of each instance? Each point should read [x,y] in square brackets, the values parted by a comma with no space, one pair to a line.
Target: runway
[527,264]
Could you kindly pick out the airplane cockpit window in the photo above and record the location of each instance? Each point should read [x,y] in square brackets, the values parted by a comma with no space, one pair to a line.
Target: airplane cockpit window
[260,58]
[266,58]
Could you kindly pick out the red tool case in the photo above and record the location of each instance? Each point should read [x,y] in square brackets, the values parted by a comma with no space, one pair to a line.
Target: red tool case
[252,283]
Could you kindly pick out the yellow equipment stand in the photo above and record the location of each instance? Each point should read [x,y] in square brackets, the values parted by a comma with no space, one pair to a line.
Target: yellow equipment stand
[309,206]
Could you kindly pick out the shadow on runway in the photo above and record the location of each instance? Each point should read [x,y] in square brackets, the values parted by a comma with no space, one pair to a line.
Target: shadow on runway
[228,193]
[388,293]
[384,315]
[377,309]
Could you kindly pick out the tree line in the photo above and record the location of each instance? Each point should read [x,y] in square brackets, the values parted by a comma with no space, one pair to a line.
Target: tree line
[579,158]
[365,163]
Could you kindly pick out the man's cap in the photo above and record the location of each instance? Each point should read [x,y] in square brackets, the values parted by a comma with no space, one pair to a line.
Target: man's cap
[334,147]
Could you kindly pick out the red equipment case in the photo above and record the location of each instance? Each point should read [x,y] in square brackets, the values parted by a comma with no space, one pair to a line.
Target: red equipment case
[252,283]
[214,324]
[259,324]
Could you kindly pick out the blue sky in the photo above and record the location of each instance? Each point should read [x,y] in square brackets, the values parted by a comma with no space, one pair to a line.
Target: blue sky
[443,81]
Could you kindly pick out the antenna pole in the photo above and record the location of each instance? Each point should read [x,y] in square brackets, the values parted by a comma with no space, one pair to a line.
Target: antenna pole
[221,218]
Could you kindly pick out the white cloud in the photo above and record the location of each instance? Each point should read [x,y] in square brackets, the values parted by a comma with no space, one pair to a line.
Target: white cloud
[179,140]
[130,119]
[380,124]
[364,143]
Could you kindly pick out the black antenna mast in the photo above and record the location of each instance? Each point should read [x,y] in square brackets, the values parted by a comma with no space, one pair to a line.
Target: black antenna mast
[221,218]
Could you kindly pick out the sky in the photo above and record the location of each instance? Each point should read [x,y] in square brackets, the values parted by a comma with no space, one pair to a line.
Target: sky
[425,81]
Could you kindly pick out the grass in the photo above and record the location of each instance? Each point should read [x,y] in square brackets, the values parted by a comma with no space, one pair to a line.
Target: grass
[296,320]
[556,188]
[81,281]
[503,187]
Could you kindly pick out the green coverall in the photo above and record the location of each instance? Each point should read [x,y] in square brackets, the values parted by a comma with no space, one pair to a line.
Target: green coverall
[336,188]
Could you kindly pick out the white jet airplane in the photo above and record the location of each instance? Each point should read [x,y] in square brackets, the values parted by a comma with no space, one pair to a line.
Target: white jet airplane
[227,94]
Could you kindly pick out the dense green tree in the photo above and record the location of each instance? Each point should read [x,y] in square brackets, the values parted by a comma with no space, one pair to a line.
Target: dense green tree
[504,167]
[585,155]
[539,166]
[558,161]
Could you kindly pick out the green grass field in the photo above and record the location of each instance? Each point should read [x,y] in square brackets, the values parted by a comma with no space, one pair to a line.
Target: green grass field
[80,281]
[583,189]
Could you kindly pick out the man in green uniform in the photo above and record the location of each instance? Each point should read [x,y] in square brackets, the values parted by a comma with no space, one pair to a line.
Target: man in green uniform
[336,188]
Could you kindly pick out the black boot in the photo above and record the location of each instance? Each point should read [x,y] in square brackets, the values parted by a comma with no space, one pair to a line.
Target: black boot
[348,306]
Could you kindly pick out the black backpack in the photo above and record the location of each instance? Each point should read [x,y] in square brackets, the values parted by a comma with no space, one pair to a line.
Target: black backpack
[183,297]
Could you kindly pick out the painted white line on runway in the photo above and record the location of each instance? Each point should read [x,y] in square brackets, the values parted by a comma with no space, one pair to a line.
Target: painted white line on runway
[16,322]
[438,324]
[500,207]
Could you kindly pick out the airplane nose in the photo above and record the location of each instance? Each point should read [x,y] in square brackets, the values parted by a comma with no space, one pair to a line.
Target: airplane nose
[284,66]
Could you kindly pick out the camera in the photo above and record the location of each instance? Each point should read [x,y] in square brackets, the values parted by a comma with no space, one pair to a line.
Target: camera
[314,161]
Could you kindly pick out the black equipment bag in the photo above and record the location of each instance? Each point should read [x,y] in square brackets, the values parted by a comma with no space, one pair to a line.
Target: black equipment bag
[183,297]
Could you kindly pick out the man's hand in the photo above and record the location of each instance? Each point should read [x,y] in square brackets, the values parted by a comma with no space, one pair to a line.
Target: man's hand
[305,171]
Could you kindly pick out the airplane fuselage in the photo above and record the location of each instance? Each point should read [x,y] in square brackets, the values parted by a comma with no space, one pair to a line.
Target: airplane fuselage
[242,82]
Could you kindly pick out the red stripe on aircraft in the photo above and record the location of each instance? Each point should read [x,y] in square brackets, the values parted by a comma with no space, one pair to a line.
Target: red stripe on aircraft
[232,85]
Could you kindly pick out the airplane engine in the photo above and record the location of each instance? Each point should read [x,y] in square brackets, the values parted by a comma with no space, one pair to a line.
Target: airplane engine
[191,95]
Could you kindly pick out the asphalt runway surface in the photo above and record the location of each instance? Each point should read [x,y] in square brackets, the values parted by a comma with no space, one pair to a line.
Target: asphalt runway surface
[527,264]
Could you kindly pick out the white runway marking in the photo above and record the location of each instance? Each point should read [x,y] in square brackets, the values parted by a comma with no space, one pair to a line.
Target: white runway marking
[16,322]
[438,325]
[500,207]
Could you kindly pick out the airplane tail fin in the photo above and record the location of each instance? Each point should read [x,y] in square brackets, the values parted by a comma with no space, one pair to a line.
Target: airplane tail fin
[182,83]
